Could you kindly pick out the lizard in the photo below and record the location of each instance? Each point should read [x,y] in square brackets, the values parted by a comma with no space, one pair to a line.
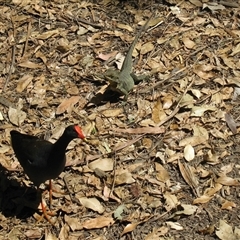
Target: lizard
[123,81]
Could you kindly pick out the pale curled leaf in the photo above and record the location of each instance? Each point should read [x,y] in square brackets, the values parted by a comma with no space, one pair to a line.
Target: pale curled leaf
[225,231]
[174,225]
[16,116]
[73,223]
[189,153]
[188,209]
[92,203]
[198,111]
[104,164]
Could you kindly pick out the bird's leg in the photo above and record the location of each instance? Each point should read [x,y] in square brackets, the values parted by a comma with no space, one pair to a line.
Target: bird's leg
[45,213]
[51,190]
[50,194]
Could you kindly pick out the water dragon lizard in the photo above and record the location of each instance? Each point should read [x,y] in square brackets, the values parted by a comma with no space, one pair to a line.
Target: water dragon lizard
[123,81]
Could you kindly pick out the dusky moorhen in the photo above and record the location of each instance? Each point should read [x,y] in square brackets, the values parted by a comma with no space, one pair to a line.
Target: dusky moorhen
[42,160]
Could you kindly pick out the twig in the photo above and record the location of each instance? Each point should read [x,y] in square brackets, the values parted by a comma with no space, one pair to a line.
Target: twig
[161,82]
[114,176]
[76,19]
[175,111]
[27,38]
[13,58]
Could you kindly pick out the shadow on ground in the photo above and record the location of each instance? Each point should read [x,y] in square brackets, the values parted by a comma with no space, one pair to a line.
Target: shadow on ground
[16,200]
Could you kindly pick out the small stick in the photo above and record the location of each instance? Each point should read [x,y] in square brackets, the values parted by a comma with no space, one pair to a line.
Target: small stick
[13,58]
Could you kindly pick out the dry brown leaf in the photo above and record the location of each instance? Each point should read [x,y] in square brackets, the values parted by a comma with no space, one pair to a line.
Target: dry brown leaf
[107,193]
[196,3]
[156,233]
[228,205]
[24,82]
[202,199]
[211,158]
[125,177]
[29,64]
[108,56]
[22,2]
[125,27]
[231,123]
[200,131]
[213,6]
[227,181]
[146,48]
[235,50]
[171,201]
[226,169]
[67,104]
[64,232]
[204,72]
[188,43]
[112,112]
[187,100]
[33,233]
[229,61]
[167,101]
[212,190]
[98,222]
[189,176]
[40,55]
[48,34]
[129,228]
[161,173]
[158,113]
[194,141]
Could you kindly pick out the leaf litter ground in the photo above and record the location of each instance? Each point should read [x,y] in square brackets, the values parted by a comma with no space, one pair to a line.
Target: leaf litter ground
[164,164]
